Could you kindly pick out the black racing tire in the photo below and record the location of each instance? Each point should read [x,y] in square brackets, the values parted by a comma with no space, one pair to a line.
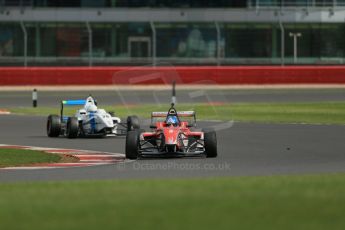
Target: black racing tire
[210,142]
[133,123]
[132,144]
[72,129]
[53,126]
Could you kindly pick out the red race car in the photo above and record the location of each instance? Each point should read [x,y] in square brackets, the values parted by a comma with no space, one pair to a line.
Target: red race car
[171,135]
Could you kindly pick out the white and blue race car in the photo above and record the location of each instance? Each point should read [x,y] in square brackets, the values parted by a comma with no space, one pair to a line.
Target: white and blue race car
[88,121]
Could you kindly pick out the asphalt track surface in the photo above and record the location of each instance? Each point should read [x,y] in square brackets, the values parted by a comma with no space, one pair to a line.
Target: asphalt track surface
[244,149]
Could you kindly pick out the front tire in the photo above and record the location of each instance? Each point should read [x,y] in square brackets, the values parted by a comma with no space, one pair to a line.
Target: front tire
[72,129]
[210,143]
[53,126]
[133,123]
[132,144]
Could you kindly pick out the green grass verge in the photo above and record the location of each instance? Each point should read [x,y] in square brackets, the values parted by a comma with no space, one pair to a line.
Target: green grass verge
[17,157]
[312,113]
[279,202]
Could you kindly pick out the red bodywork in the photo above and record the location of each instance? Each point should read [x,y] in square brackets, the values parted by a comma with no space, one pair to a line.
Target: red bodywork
[172,135]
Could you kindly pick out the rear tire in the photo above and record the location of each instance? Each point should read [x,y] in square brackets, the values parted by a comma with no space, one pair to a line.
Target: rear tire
[133,123]
[53,126]
[210,142]
[132,144]
[72,129]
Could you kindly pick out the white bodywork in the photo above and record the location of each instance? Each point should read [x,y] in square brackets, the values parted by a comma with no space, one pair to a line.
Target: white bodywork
[96,120]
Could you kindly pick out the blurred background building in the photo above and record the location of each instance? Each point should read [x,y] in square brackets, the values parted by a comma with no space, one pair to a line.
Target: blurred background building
[179,32]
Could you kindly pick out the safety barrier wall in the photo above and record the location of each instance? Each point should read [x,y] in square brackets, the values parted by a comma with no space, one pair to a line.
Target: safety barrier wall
[16,76]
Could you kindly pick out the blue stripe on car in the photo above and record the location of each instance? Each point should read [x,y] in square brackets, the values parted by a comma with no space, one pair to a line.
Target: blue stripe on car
[92,122]
[73,102]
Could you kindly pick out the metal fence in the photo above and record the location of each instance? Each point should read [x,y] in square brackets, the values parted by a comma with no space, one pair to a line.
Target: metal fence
[38,42]
[43,43]
[296,3]
[173,4]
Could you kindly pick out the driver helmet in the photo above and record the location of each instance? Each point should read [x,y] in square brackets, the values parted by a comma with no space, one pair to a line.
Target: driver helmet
[172,119]
[90,105]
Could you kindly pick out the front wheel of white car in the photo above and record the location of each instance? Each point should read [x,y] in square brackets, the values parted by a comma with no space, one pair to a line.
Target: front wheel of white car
[133,123]
[72,128]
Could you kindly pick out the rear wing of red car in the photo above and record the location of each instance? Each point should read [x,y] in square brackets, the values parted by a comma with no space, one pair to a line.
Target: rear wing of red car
[180,114]
[186,116]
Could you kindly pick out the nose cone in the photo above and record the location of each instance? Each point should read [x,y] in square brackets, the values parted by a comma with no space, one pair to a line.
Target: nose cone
[106,120]
[171,135]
